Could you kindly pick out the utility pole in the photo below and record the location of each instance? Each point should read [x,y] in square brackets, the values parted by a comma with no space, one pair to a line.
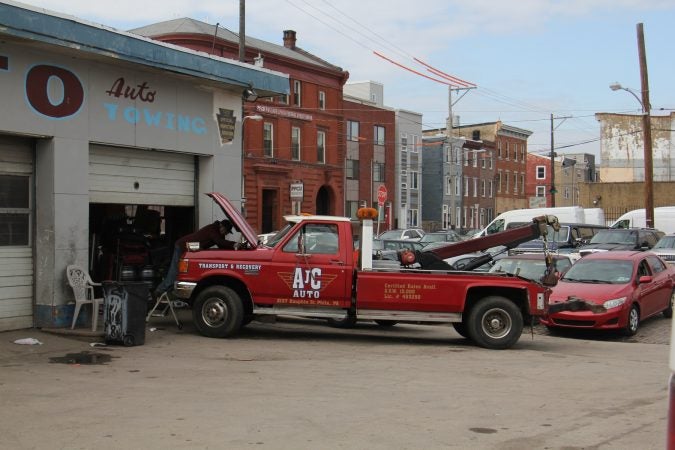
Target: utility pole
[553,190]
[646,130]
[242,30]
[449,132]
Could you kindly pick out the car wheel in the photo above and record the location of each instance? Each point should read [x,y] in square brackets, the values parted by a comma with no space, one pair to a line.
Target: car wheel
[633,321]
[218,312]
[668,312]
[495,322]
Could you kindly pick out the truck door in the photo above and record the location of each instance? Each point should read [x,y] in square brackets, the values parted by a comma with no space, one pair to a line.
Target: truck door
[311,269]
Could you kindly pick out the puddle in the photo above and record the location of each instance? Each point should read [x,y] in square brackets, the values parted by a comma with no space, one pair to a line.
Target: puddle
[86,358]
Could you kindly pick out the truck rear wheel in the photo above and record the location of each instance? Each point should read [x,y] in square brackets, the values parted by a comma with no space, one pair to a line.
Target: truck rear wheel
[495,322]
[218,312]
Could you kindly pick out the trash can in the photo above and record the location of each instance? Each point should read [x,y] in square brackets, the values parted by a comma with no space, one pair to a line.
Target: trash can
[124,309]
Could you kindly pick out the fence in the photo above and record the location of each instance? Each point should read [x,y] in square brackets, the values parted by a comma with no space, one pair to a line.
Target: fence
[612,213]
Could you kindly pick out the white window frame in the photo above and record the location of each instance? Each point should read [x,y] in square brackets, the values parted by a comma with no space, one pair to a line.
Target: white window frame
[297,93]
[448,185]
[353,125]
[296,146]
[413,179]
[415,143]
[540,191]
[540,172]
[322,100]
[404,142]
[268,127]
[321,147]
[379,135]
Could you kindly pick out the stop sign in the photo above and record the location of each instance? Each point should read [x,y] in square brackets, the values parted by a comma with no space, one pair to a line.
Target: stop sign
[381,195]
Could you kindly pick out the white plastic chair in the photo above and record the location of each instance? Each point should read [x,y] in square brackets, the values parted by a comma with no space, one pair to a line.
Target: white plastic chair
[83,290]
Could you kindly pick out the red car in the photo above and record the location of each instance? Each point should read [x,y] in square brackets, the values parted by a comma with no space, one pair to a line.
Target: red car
[631,286]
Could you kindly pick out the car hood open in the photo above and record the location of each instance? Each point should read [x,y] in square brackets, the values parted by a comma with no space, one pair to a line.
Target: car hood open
[237,220]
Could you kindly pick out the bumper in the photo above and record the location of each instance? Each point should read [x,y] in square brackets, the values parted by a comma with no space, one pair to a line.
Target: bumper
[183,289]
[612,319]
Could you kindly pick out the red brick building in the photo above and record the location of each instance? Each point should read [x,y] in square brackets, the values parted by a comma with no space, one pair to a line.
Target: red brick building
[538,181]
[294,147]
[371,155]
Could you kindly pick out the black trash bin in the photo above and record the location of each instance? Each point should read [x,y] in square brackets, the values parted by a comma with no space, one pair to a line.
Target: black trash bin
[124,309]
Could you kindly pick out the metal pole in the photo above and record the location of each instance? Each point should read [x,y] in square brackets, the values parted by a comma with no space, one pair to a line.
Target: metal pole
[646,130]
[553,190]
[242,30]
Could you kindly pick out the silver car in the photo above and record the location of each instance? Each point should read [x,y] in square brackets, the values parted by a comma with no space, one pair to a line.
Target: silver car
[665,248]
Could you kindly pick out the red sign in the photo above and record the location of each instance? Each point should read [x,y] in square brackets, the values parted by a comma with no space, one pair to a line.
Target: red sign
[381,195]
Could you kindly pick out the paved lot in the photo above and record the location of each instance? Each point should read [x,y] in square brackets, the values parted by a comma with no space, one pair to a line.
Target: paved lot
[302,385]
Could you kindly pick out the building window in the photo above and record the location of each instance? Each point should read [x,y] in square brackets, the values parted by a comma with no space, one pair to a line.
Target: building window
[466,186]
[541,191]
[507,182]
[481,218]
[490,161]
[321,147]
[522,183]
[413,218]
[414,180]
[566,192]
[351,207]
[14,210]
[541,172]
[445,217]
[458,186]
[508,151]
[322,100]
[466,157]
[378,132]
[297,93]
[378,171]
[415,143]
[448,185]
[458,213]
[483,191]
[490,189]
[458,156]
[268,136]
[499,181]
[515,183]
[475,159]
[352,130]
[475,187]
[499,149]
[352,169]
[295,143]
[448,154]
[404,142]
[483,163]
[283,99]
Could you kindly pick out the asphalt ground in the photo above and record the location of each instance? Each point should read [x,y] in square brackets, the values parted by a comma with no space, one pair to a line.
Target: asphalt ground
[300,384]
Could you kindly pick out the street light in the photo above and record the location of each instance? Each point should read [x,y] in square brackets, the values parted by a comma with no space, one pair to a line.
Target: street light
[257,118]
[647,139]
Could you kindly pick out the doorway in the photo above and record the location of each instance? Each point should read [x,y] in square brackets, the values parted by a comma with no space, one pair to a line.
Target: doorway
[323,203]
[269,210]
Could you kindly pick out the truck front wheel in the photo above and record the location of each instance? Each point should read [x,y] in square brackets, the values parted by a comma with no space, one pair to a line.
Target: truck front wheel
[495,323]
[218,312]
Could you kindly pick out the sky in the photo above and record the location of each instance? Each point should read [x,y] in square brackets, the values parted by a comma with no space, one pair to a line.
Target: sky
[528,58]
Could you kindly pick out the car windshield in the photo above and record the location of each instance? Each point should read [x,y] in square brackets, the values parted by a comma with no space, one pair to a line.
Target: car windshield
[614,237]
[610,271]
[665,242]
[439,237]
[280,235]
[532,269]
[391,234]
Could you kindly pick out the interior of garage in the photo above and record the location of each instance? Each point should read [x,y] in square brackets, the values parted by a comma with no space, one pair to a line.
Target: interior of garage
[134,242]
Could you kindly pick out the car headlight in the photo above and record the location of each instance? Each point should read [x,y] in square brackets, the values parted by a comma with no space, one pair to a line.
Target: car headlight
[614,303]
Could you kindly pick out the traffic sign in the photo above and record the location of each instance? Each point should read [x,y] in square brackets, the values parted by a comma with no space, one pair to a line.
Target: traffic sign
[381,195]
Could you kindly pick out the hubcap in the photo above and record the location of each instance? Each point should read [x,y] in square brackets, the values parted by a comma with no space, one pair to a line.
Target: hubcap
[633,319]
[496,323]
[214,312]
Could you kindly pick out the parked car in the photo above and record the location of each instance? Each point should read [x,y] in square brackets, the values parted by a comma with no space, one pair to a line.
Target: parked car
[665,248]
[440,236]
[531,265]
[408,233]
[622,239]
[630,285]
[566,240]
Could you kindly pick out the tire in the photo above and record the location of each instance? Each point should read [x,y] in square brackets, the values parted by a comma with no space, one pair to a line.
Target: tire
[668,312]
[633,323]
[460,328]
[495,323]
[128,340]
[347,322]
[218,312]
[386,323]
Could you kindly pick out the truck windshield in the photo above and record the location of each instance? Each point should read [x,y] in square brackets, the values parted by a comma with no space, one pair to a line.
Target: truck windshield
[280,235]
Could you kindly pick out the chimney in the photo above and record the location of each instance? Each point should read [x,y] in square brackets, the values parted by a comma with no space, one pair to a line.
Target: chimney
[289,39]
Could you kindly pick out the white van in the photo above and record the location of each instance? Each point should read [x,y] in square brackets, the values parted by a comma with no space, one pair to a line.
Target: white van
[664,219]
[565,214]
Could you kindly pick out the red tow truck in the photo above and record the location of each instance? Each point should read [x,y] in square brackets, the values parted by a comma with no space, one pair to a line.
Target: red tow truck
[311,269]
